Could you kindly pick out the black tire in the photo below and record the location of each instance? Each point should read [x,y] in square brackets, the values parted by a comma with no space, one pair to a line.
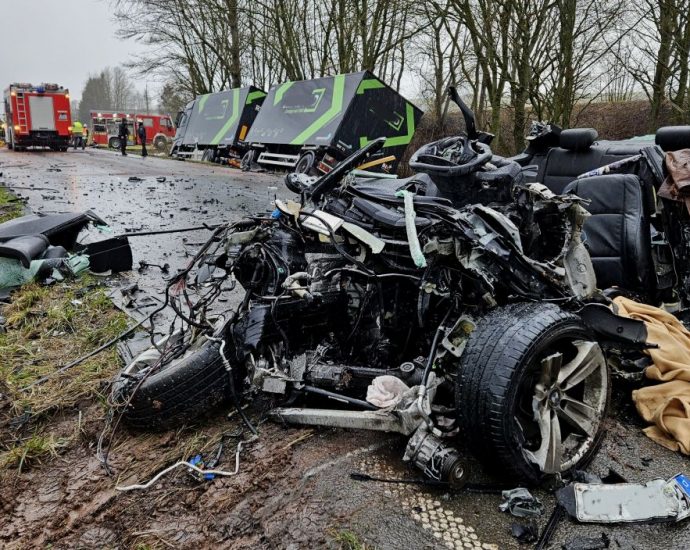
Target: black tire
[305,164]
[160,143]
[497,380]
[184,389]
[246,162]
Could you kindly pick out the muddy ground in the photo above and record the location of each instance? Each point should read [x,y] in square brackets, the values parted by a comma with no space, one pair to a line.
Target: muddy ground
[293,489]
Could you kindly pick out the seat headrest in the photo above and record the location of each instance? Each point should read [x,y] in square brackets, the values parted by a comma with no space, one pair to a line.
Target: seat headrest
[673,138]
[578,139]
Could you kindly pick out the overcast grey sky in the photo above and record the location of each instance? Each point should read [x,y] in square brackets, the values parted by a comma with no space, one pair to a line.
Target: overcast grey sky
[61,41]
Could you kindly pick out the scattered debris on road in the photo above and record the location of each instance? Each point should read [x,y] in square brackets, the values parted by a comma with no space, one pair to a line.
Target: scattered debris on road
[520,503]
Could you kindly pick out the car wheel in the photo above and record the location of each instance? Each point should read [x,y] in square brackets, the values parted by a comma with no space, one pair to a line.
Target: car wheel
[532,390]
[246,162]
[160,143]
[305,163]
[114,143]
[181,390]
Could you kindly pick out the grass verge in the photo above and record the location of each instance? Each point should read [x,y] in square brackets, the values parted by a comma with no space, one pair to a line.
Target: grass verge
[45,328]
[10,206]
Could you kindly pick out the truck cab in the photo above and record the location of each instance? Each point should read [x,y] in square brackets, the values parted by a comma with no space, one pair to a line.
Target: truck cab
[37,116]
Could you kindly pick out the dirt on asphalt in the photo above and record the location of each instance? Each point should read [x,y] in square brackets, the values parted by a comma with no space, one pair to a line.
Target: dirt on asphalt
[293,488]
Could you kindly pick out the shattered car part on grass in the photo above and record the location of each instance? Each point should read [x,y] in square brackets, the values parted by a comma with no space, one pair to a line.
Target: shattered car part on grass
[656,500]
[45,249]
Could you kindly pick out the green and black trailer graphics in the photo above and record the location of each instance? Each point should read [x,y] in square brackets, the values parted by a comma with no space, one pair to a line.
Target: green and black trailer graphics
[312,124]
[215,125]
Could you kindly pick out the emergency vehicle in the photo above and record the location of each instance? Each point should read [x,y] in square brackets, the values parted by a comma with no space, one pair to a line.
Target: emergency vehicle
[104,128]
[37,116]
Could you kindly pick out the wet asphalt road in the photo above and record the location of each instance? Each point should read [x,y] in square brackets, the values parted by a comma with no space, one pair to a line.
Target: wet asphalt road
[383,515]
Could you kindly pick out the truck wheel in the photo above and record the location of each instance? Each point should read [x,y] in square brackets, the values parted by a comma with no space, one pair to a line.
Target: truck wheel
[177,392]
[532,391]
[246,162]
[160,143]
[114,143]
[305,163]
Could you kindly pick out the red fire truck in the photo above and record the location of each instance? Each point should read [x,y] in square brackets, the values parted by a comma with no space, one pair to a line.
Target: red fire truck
[37,116]
[104,128]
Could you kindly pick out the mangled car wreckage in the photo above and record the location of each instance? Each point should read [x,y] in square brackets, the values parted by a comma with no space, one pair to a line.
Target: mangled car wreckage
[458,304]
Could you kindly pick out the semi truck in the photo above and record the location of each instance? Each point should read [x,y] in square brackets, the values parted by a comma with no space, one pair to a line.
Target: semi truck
[310,125]
[37,116]
[213,126]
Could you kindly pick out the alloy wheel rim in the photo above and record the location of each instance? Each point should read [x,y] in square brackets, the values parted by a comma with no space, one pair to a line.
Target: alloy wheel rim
[568,404]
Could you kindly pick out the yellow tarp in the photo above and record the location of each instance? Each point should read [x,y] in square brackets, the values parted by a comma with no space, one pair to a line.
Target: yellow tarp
[665,405]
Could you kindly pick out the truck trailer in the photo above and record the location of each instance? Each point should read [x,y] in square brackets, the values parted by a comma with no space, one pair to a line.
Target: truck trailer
[311,125]
[37,116]
[213,126]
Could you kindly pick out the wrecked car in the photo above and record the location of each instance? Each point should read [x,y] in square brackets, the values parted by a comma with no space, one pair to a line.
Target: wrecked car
[459,304]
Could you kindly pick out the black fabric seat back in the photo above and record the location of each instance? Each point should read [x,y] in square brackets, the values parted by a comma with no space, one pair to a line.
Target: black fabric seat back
[617,233]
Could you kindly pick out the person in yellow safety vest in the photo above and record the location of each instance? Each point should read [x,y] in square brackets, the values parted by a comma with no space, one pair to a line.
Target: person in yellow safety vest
[78,134]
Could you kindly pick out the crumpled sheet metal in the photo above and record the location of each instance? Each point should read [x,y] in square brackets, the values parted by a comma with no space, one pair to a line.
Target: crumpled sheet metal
[656,500]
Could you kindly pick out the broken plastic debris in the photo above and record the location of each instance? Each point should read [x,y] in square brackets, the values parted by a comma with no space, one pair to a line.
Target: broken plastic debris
[656,500]
[520,503]
[524,533]
[317,222]
[372,241]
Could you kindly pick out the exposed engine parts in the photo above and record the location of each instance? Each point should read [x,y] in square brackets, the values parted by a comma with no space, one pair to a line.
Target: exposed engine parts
[399,306]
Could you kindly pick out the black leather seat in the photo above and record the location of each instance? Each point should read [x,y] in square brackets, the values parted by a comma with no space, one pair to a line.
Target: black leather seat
[575,156]
[617,233]
[673,138]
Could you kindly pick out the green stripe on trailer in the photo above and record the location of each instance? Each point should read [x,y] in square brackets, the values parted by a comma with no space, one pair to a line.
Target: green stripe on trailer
[202,101]
[397,140]
[253,96]
[334,110]
[233,118]
[280,92]
[369,84]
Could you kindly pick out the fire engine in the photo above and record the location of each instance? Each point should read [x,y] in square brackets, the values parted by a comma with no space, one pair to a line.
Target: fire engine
[104,128]
[37,116]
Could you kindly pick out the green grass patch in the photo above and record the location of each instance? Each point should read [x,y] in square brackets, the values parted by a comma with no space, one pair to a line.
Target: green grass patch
[46,328]
[10,207]
[32,450]
[347,540]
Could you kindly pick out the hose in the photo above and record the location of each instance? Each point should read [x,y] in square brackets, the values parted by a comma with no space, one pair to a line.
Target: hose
[188,465]
[233,393]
